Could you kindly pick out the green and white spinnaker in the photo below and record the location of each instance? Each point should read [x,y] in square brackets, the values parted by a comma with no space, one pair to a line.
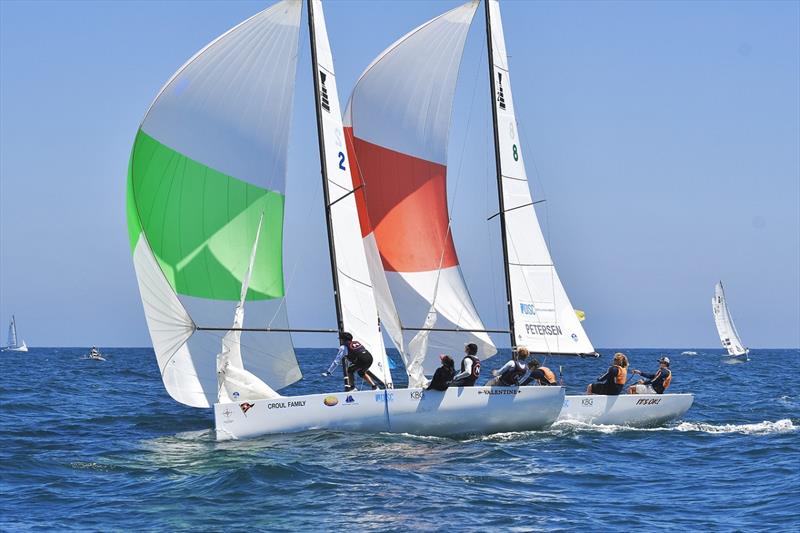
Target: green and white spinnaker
[208,160]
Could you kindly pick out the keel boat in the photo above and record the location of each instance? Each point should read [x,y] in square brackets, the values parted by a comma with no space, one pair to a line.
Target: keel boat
[205,206]
[633,410]
[399,144]
[13,345]
[728,335]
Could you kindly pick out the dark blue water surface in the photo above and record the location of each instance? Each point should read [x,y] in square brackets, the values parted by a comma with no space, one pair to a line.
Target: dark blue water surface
[90,445]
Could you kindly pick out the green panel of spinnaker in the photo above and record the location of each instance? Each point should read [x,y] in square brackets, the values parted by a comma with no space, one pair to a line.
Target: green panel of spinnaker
[201,224]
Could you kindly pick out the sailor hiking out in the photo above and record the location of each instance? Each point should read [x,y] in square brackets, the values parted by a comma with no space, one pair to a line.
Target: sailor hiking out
[655,383]
[356,359]
[538,375]
[510,373]
[470,368]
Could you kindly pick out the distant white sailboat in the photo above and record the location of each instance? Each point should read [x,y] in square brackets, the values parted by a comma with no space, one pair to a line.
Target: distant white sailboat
[727,330]
[13,344]
[95,354]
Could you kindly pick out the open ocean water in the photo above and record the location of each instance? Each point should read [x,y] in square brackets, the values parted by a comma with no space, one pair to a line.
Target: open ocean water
[100,446]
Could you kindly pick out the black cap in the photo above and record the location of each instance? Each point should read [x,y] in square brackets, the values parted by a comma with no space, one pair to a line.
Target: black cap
[472,348]
[345,336]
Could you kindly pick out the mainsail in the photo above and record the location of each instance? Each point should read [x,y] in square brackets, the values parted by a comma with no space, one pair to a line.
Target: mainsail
[541,315]
[397,125]
[12,333]
[208,160]
[356,301]
[725,327]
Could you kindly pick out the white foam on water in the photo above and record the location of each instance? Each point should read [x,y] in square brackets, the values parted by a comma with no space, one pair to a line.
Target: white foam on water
[762,428]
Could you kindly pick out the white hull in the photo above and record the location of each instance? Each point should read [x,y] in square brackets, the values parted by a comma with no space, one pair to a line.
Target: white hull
[741,357]
[21,348]
[457,411]
[635,410]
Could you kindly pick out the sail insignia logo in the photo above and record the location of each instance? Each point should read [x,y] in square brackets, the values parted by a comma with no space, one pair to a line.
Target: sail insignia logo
[527,309]
[323,92]
[501,99]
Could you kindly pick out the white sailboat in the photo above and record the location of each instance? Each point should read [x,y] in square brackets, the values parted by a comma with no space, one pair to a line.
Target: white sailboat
[398,122]
[728,335]
[205,216]
[541,316]
[13,345]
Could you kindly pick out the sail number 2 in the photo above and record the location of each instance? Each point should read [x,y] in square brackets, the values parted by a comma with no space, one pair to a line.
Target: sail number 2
[341,160]
[515,152]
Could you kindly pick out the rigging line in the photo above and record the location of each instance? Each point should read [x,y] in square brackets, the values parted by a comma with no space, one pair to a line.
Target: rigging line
[351,278]
[250,348]
[459,330]
[352,191]
[269,330]
[517,207]
[296,263]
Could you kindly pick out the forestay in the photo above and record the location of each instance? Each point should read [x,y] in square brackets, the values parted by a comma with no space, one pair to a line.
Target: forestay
[725,327]
[544,319]
[357,301]
[398,123]
[208,160]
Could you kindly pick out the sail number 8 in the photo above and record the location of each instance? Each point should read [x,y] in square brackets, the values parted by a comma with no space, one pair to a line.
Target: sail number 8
[515,152]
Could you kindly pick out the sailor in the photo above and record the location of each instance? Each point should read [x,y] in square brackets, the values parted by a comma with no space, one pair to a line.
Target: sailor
[470,367]
[538,375]
[656,383]
[357,359]
[444,374]
[613,381]
[509,374]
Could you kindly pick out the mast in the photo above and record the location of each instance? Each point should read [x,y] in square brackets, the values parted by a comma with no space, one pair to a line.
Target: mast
[315,73]
[323,167]
[499,170]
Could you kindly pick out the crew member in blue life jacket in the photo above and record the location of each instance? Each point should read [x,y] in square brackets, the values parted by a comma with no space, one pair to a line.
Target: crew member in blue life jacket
[510,373]
[656,383]
[444,374]
[357,359]
[613,381]
[538,375]
[470,368]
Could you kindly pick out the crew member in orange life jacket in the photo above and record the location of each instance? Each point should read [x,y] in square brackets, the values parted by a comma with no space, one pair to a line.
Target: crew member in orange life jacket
[613,381]
[538,375]
[357,359]
[656,383]
[470,368]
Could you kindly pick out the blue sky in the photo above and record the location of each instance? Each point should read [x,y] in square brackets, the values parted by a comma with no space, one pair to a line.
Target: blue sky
[663,135]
